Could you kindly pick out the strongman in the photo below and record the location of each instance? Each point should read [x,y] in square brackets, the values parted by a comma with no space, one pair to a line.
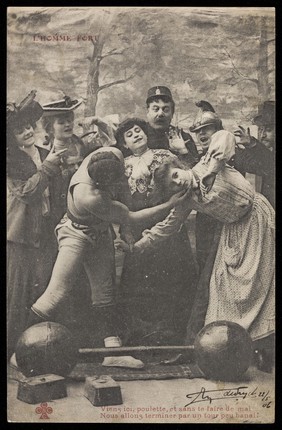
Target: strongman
[85,237]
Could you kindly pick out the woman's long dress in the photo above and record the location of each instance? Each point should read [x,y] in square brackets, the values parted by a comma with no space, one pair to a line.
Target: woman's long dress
[31,246]
[159,285]
[238,281]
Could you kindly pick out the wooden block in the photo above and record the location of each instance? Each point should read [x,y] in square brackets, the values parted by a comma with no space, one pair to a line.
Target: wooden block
[102,391]
[42,388]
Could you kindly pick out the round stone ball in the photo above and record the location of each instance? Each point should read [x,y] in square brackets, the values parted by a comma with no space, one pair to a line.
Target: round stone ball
[223,350]
[47,347]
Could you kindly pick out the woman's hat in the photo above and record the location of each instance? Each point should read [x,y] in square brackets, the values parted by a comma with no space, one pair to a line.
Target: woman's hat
[266,114]
[205,116]
[62,106]
[28,111]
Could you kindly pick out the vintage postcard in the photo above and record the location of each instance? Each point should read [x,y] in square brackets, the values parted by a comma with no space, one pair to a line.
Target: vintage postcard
[141,214]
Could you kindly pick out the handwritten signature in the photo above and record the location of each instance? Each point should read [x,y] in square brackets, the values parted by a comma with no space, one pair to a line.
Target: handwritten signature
[241,392]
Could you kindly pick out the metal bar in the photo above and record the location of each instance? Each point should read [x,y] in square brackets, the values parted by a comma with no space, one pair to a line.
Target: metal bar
[141,352]
[123,349]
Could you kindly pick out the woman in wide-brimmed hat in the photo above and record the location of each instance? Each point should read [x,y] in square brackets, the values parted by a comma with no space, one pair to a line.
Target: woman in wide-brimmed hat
[31,251]
[58,122]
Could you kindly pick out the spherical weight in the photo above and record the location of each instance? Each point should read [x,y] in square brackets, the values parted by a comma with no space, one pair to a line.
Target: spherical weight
[47,347]
[223,350]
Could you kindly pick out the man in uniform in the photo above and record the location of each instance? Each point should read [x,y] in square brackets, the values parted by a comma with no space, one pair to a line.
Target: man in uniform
[161,134]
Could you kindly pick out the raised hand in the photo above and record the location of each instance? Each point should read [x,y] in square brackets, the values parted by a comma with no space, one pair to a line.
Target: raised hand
[177,143]
[87,122]
[55,157]
[243,135]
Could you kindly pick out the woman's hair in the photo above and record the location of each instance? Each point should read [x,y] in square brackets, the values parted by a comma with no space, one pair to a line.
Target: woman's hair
[123,128]
[47,124]
[160,192]
[105,169]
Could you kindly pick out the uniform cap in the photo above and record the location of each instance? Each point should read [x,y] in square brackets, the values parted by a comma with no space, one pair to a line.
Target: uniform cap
[158,91]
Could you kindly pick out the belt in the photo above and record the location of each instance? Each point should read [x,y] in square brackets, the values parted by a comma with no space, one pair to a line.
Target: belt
[102,227]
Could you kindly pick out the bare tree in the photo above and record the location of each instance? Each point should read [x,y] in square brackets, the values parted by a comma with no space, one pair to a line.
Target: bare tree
[93,81]
[94,87]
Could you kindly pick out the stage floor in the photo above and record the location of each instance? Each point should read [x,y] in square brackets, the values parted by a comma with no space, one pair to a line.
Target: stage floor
[159,401]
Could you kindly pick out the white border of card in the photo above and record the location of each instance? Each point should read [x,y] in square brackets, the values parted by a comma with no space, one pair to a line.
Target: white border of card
[225,55]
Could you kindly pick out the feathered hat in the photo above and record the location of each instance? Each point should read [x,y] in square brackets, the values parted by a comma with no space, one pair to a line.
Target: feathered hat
[205,116]
[61,106]
[28,111]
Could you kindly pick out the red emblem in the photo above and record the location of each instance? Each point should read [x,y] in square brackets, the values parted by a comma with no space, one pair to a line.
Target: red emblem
[44,410]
